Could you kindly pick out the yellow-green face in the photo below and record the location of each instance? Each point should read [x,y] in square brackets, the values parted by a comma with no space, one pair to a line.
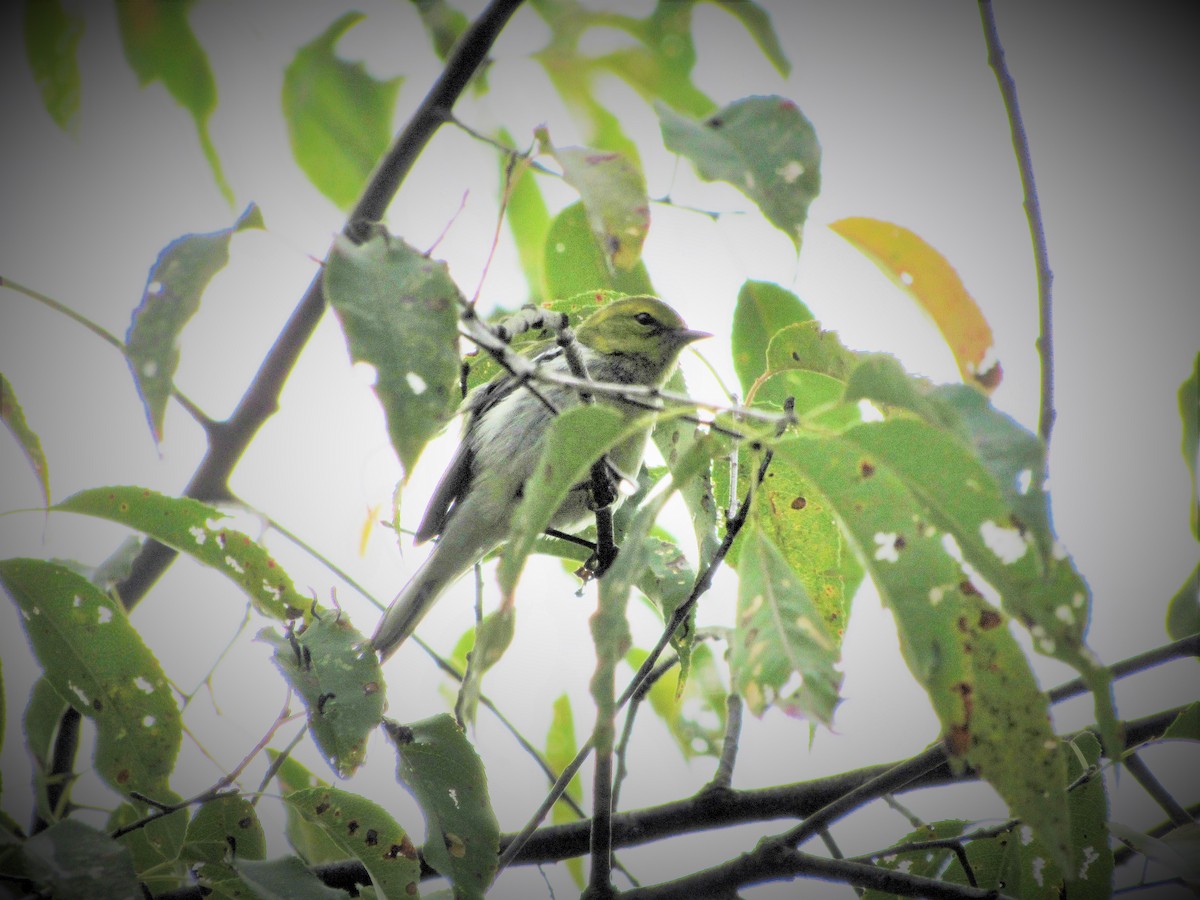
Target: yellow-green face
[638,326]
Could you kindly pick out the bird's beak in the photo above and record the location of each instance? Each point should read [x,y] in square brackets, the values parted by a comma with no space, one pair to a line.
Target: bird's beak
[687,336]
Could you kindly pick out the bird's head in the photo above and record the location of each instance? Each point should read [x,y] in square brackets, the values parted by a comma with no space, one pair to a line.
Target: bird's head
[642,329]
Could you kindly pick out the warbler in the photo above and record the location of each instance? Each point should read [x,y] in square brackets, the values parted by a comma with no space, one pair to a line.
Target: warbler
[635,341]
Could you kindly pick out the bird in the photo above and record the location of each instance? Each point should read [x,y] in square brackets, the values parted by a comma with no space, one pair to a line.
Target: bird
[632,340]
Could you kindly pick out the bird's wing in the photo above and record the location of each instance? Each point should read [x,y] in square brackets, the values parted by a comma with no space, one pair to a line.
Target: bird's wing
[456,480]
[452,486]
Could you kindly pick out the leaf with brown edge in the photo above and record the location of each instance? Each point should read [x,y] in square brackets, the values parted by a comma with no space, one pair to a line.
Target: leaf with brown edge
[928,278]
[13,418]
[613,191]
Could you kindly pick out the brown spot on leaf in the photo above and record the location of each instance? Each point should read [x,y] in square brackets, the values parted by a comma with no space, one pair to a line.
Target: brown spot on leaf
[352,826]
[322,808]
[988,619]
[97,705]
[968,588]
[958,740]
[866,469]
[455,845]
[245,821]
[123,776]
[715,122]
[371,687]
[372,837]
[799,503]
[900,543]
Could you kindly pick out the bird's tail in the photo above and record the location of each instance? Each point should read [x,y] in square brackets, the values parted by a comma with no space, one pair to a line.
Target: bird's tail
[414,601]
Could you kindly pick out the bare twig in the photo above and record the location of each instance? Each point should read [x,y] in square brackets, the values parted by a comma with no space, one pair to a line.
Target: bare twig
[1033,212]
[723,777]
[1151,785]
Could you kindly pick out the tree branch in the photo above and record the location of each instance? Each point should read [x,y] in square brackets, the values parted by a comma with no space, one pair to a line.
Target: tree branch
[228,440]
[1033,212]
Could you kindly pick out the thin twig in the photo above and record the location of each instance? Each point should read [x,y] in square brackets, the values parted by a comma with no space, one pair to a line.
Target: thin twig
[723,777]
[1033,212]
[1151,785]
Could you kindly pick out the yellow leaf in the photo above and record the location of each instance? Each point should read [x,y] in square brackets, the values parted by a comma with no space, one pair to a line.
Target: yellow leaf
[927,276]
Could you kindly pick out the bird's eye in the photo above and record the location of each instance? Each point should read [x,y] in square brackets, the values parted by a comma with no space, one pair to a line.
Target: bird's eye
[644,318]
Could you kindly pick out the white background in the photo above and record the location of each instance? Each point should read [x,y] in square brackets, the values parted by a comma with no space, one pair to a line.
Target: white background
[913,131]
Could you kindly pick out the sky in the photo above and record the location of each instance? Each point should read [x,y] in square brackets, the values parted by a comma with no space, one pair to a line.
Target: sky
[913,131]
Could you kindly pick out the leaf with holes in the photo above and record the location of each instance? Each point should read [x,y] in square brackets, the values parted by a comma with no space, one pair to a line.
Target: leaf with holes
[399,311]
[613,192]
[440,767]
[334,670]
[923,863]
[763,146]
[171,297]
[782,653]
[195,528]
[339,116]
[956,644]
[97,661]
[365,831]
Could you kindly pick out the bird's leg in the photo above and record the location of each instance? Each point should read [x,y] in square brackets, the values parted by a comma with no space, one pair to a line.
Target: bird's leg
[602,494]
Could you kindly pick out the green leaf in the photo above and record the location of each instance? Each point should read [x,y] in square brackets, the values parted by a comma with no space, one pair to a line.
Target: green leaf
[51,42]
[440,767]
[763,309]
[926,863]
[955,643]
[339,117]
[493,636]
[1186,726]
[780,637]
[1183,612]
[399,310]
[763,146]
[527,216]
[366,831]
[39,725]
[226,827]
[279,879]
[14,419]
[696,716]
[806,346]
[174,286]
[161,46]
[443,24]
[576,264]
[659,66]
[576,438]
[758,23]
[336,673]
[613,192]
[154,847]
[1091,871]
[308,840]
[96,660]
[561,748]
[71,859]
[195,528]
[1189,412]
